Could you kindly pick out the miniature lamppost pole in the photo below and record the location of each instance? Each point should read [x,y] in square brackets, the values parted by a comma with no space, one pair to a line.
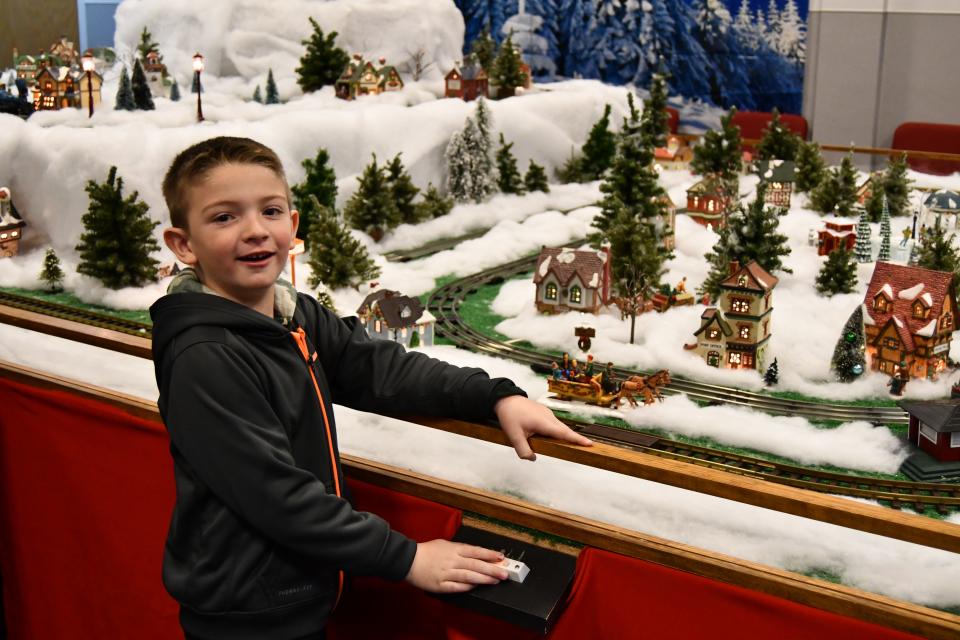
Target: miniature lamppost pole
[297,248]
[197,68]
[88,66]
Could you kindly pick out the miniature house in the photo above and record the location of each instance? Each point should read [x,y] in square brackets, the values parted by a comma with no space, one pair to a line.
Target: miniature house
[65,51]
[57,88]
[706,205]
[361,78]
[942,204]
[156,73]
[467,82]
[865,190]
[389,315]
[11,225]
[909,317]
[26,66]
[736,332]
[779,176]
[676,155]
[572,280]
[835,235]
[935,427]
[666,225]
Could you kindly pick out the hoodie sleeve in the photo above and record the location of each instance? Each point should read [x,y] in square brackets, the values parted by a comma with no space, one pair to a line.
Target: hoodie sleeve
[381,376]
[233,441]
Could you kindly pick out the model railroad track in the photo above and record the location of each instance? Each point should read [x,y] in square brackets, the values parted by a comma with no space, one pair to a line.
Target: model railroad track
[444,305]
[64,312]
[898,494]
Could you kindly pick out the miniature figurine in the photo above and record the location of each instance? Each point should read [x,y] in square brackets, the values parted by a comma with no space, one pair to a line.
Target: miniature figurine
[906,233]
[898,381]
[555,371]
[608,379]
[649,386]
[682,285]
[588,370]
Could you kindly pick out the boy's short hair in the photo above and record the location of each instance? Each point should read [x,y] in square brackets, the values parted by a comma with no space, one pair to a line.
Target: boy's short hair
[195,162]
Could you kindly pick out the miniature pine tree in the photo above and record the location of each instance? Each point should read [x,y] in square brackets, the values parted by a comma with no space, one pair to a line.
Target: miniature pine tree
[147,45]
[470,170]
[434,204]
[506,74]
[848,361]
[838,274]
[896,185]
[125,99]
[52,274]
[175,92]
[536,178]
[336,259]
[141,90]
[778,142]
[837,193]
[884,234]
[258,95]
[403,191]
[937,251]
[484,49]
[508,176]
[772,376]
[810,166]
[719,153]
[655,123]
[319,181]
[323,61]
[597,153]
[863,249]
[272,96]
[117,239]
[874,202]
[324,298]
[371,209]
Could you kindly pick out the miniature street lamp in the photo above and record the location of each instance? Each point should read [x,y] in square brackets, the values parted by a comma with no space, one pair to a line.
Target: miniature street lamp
[197,68]
[88,66]
[297,248]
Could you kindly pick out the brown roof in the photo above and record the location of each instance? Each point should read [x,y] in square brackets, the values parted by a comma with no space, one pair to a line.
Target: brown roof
[902,285]
[376,296]
[564,263]
[708,316]
[396,309]
[757,278]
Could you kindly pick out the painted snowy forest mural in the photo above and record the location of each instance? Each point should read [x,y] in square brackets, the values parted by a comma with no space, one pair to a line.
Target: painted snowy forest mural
[744,53]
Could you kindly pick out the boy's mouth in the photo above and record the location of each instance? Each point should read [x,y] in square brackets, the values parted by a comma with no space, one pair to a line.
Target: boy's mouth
[259,256]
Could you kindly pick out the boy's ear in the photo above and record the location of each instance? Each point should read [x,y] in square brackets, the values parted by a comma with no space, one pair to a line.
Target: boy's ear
[178,241]
[295,221]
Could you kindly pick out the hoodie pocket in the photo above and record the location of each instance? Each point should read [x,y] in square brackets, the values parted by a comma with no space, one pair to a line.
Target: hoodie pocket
[286,580]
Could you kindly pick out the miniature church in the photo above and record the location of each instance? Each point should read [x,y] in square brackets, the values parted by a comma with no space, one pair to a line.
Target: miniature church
[735,334]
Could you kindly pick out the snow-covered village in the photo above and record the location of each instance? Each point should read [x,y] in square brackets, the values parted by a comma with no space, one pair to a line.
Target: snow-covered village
[626,208]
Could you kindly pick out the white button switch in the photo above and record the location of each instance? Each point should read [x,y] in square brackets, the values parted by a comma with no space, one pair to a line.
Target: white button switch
[516,571]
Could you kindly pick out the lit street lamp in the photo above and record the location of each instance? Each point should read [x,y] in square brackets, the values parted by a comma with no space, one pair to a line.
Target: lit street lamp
[88,66]
[197,68]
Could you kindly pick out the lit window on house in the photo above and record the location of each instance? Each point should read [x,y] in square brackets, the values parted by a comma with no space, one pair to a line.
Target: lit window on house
[713,334]
[739,305]
[551,292]
[880,304]
[734,358]
[575,295]
[947,321]
[742,281]
[745,332]
[918,311]
[376,326]
[891,343]
[713,359]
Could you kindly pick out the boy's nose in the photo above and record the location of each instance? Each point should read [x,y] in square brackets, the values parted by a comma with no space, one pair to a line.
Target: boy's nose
[254,227]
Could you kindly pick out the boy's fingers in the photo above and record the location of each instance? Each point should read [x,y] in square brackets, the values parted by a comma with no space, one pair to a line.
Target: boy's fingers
[480,553]
[449,586]
[466,576]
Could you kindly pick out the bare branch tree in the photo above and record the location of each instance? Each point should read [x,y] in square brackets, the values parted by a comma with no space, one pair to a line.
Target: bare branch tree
[419,62]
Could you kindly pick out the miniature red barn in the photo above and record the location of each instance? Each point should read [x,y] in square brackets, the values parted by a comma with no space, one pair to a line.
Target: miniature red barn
[834,236]
[935,427]
[706,205]
[467,82]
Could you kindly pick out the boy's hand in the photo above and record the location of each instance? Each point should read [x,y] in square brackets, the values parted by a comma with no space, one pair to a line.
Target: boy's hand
[521,418]
[441,566]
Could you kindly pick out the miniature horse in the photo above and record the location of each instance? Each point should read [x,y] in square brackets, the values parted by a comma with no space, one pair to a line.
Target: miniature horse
[649,386]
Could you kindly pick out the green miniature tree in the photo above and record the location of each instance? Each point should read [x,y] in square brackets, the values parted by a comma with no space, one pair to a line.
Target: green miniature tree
[598,151]
[470,169]
[258,95]
[772,376]
[117,239]
[52,274]
[508,176]
[272,96]
[319,181]
[848,361]
[125,99]
[810,166]
[778,142]
[434,204]
[323,61]
[141,90]
[720,154]
[839,273]
[147,45]
[936,251]
[506,74]
[372,209]
[175,92]
[837,193]
[655,123]
[403,191]
[536,178]
[324,298]
[884,234]
[336,258]
[864,246]
[874,202]
[896,185]
[484,49]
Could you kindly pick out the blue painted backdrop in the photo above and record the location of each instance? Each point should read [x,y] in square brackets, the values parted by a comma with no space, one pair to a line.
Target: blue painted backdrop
[744,53]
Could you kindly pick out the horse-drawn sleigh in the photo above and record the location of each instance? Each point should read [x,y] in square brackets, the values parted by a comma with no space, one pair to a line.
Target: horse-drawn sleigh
[593,390]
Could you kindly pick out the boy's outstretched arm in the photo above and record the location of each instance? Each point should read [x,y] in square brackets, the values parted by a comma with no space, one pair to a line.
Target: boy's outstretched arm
[521,418]
[441,566]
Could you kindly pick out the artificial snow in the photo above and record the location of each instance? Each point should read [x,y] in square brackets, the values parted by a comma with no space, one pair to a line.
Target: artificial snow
[928,329]
[911,293]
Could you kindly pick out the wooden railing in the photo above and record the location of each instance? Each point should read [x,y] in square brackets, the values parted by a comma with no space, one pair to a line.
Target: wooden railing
[830,597]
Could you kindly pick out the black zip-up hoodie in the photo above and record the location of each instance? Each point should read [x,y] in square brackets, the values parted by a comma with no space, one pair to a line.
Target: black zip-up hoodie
[260,533]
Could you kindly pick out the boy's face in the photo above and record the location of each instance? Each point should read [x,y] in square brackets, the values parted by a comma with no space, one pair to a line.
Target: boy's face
[240,231]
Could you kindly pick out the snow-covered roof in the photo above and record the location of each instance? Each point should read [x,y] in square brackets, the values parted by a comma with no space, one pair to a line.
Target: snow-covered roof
[928,329]
[887,290]
[867,319]
[912,292]
[944,201]
[928,299]
[545,266]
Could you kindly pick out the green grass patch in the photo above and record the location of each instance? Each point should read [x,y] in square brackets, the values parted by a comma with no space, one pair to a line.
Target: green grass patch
[536,535]
[70,300]
[870,402]
[475,311]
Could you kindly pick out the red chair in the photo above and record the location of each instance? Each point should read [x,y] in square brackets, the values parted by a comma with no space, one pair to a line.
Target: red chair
[752,124]
[674,120]
[929,136]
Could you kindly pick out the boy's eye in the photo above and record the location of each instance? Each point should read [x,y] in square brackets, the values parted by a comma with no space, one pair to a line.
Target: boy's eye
[273,211]
[222,217]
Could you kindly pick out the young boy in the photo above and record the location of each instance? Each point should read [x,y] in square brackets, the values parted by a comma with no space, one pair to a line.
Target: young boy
[248,370]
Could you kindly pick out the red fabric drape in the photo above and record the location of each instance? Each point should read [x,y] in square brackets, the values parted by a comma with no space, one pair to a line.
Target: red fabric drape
[85,497]
[752,124]
[929,136]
